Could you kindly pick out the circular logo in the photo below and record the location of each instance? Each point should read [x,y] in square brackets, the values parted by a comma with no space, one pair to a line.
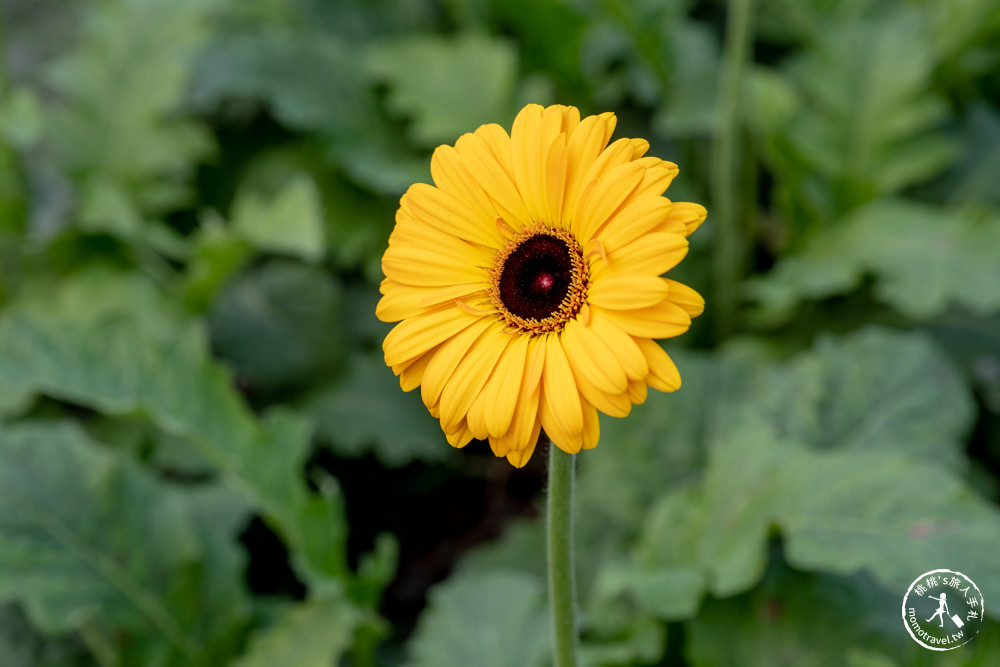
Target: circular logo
[943,610]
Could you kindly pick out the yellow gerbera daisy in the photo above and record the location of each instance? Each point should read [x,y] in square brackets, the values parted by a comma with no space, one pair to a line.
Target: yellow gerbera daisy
[527,281]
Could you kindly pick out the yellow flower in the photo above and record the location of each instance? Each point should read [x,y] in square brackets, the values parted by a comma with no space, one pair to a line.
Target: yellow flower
[527,281]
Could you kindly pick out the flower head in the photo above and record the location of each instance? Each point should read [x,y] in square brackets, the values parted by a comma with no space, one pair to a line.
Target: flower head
[527,281]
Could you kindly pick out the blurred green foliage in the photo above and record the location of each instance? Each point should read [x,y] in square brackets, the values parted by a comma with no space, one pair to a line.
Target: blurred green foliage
[194,198]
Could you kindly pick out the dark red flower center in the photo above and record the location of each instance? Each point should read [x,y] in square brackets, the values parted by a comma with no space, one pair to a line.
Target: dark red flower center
[536,277]
[540,280]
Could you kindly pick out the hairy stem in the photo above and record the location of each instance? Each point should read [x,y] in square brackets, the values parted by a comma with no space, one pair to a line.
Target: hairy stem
[562,579]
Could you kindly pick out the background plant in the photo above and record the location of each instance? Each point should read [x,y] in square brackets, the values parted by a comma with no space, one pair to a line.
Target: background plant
[204,461]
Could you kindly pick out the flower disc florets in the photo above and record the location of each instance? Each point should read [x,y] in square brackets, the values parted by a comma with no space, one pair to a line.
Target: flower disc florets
[540,280]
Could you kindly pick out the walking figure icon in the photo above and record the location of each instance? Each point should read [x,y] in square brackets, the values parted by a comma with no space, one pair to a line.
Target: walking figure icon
[942,610]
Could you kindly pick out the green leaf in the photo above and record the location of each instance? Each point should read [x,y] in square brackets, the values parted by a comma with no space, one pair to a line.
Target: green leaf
[522,548]
[117,132]
[873,390]
[662,443]
[13,402]
[802,619]
[376,570]
[357,228]
[308,78]
[838,511]
[314,633]
[107,365]
[20,118]
[430,78]
[797,618]
[216,254]
[718,528]
[861,411]
[870,118]
[925,260]
[377,157]
[493,619]
[289,223]
[667,593]
[93,543]
[972,180]
[642,643]
[957,269]
[22,646]
[357,223]
[961,27]
[364,411]
[279,324]
[99,292]
[974,344]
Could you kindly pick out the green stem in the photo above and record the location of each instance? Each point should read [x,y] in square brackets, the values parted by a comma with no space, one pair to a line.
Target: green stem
[562,578]
[729,238]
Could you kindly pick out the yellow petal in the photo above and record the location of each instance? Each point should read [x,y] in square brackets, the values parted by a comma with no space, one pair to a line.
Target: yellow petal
[425,268]
[657,178]
[498,447]
[493,173]
[559,393]
[451,174]
[504,388]
[627,291]
[652,255]
[418,234]
[664,320]
[569,443]
[401,301]
[525,135]
[614,404]
[460,436]
[620,343]
[413,375]
[591,427]
[684,213]
[639,148]
[637,391]
[464,385]
[555,179]
[663,374]
[447,358]
[524,426]
[632,222]
[411,338]
[599,203]
[686,298]
[585,144]
[570,118]
[444,212]
[536,363]
[618,153]
[590,357]
[519,457]
[476,419]
[552,162]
